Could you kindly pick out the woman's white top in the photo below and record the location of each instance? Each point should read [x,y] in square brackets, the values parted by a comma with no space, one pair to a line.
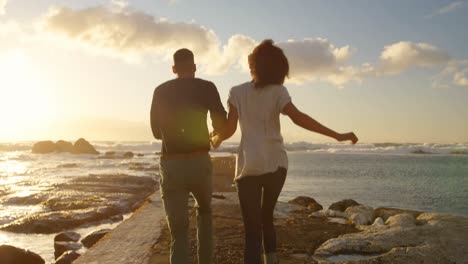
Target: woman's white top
[261,148]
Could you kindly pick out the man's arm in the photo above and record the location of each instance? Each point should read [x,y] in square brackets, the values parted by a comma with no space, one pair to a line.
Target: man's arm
[217,111]
[307,122]
[154,118]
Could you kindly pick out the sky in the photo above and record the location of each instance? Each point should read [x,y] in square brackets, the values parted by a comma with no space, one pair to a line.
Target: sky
[391,71]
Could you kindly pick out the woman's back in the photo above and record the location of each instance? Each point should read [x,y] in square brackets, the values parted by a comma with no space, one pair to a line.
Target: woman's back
[261,149]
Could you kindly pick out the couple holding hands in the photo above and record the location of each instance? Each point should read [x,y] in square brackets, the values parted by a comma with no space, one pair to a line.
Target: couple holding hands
[179,118]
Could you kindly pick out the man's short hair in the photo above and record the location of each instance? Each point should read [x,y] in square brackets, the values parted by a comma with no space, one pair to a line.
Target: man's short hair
[183,57]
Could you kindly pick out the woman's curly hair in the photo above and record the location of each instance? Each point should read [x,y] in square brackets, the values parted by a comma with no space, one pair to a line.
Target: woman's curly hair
[268,64]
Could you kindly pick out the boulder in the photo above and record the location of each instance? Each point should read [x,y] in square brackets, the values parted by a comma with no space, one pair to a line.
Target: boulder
[385,212]
[360,214]
[14,255]
[94,237]
[378,222]
[343,205]
[44,147]
[401,220]
[128,155]
[437,239]
[82,146]
[67,237]
[64,146]
[329,213]
[62,247]
[67,257]
[302,201]
[314,207]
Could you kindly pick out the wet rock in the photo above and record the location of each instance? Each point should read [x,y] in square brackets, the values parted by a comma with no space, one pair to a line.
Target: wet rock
[343,205]
[67,257]
[401,220]
[85,200]
[385,212]
[61,247]
[128,155]
[14,255]
[82,146]
[64,146]
[69,236]
[94,237]
[360,214]
[140,155]
[44,147]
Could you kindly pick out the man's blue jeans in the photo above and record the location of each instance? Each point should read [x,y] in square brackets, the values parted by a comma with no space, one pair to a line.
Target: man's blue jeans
[179,178]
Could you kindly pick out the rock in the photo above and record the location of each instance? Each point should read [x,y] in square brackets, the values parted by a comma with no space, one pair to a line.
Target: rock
[438,239]
[64,146]
[218,196]
[360,214]
[302,201]
[67,257]
[63,246]
[116,218]
[82,146]
[378,222]
[343,205]
[401,220]
[128,155]
[94,237]
[385,212]
[14,255]
[329,213]
[314,207]
[67,237]
[110,154]
[44,147]
[140,155]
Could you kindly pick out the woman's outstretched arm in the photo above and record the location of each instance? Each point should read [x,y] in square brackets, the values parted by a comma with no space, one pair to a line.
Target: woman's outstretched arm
[307,122]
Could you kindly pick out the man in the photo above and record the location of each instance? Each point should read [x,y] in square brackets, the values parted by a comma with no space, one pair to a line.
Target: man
[179,118]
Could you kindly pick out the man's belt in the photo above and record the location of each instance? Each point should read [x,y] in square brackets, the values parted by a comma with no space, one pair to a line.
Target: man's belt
[174,156]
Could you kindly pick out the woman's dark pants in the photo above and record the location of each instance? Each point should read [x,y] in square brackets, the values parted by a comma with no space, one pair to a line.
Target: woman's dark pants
[258,196]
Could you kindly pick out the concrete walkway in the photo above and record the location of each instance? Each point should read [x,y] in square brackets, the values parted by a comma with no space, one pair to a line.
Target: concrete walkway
[132,240]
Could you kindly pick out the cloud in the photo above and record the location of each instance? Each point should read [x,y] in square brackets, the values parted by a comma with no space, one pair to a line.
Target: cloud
[318,59]
[398,57]
[3,4]
[447,8]
[127,33]
[454,74]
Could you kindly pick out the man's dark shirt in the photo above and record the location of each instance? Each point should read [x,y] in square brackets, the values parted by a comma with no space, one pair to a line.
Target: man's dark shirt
[179,114]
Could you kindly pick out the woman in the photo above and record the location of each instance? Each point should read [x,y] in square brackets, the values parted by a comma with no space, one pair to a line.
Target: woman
[262,160]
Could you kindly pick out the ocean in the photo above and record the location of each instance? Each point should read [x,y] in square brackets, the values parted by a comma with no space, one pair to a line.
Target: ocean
[425,177]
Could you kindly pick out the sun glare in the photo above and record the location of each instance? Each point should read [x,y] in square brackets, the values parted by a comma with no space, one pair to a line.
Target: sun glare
[24,99]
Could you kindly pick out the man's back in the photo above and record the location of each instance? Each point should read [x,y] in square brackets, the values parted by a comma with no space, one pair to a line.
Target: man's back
[179,114]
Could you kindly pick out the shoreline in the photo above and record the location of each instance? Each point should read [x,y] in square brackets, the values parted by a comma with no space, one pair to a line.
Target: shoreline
[301,238]
[357,234]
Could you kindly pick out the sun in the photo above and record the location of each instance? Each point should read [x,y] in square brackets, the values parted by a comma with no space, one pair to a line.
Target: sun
[24,98]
